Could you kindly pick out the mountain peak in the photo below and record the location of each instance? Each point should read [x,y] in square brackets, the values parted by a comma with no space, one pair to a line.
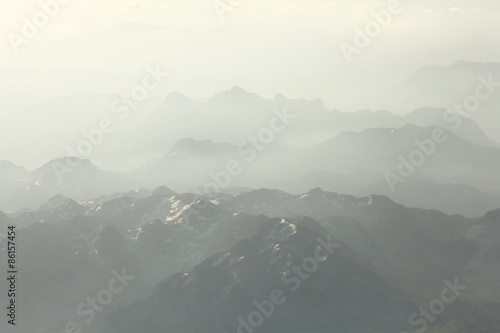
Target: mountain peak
[237,90]
[163,191]
[72,162]
[492,215]
[427,111]
[235,94]
[316,190]
[177,97]
[70,203]
[54,202]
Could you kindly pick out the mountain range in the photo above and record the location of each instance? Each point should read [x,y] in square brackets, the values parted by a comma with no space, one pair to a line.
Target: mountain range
[463,175]
[189,253]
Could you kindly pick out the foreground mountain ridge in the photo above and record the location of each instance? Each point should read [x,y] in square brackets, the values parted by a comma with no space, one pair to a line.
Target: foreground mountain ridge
[161,234]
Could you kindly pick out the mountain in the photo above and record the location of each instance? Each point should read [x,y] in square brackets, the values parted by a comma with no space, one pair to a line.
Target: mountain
[459,80]
[468,130]
[419,191]
[57,177]
[221,293]
[9,176]
[231,116]
[10,171]
[4,223]
[416,241]
[218,253]
[446,86]
[179,116]
[456,176]
[74,249]
[454,161]
[481,270]
[187,162]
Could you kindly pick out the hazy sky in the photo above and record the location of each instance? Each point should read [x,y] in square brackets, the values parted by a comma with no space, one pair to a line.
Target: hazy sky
[296,43]
[266,47]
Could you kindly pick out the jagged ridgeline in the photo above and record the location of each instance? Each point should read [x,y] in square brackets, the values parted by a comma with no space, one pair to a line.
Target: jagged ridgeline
[262,260]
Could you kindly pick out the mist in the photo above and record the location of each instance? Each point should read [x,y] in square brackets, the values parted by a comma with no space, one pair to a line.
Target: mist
[250,166]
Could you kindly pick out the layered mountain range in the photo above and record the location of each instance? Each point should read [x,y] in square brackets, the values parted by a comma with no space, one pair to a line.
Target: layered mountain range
[456,176]
[245,214]
[202,263]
